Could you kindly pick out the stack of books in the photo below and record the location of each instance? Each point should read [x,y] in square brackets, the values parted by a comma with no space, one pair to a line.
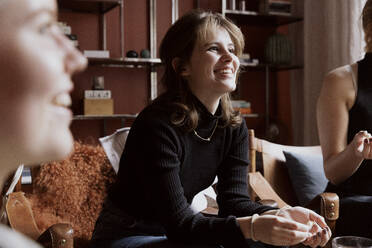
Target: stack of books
[242,106]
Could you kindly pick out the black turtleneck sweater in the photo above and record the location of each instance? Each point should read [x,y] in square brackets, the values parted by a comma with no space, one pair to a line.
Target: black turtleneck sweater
[163,168]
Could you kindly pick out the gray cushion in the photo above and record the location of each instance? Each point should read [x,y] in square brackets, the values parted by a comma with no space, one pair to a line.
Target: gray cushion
[307,175]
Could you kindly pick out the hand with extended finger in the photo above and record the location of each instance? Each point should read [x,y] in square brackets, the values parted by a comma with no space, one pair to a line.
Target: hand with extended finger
[362,144]
[320,236]
[279,231]
[320,232]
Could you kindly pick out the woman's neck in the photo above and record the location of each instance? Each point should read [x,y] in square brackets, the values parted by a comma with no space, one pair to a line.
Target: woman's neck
[210,103]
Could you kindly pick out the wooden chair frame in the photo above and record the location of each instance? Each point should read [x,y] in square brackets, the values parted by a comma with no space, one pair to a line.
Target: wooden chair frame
[273,181]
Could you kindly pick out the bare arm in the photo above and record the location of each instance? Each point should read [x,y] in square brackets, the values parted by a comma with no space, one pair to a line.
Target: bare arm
[337,96]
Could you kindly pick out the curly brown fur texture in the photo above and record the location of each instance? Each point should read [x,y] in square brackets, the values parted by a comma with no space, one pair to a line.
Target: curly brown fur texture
[367,25]
[73,190]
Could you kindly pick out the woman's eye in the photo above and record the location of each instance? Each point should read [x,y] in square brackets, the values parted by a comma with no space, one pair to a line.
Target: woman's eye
[232,50]
[214,48]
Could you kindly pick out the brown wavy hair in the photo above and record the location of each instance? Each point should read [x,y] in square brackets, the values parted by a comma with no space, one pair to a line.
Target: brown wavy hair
[179,43]
[367,25]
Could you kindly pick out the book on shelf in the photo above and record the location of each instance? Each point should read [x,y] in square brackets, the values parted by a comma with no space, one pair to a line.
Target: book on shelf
[242,106]
[97,94]
[96,53]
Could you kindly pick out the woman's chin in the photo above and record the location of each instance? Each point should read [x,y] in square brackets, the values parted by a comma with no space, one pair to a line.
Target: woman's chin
[63,153]
[57,148]
[63,148]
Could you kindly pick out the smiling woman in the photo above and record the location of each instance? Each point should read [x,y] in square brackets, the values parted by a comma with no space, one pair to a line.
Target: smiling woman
[181,142]
[36,66]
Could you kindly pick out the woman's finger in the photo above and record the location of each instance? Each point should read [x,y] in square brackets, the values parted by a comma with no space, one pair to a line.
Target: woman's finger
[292,225]
[286,237]
[318,219]
[326,235]
[294,237]
[316,238]
[366,148]
[369,156]
[360,140]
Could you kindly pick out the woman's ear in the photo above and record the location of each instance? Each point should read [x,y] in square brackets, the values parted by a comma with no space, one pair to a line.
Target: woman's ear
[180,68]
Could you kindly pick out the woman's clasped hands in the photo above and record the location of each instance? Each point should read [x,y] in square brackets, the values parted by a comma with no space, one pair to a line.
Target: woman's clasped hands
[287,226]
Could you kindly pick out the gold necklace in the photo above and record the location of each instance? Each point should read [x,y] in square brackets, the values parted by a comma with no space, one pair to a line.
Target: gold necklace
[209,138]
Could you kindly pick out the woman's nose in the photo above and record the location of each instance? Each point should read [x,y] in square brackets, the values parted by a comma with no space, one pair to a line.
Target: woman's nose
[227,56]
[74,61]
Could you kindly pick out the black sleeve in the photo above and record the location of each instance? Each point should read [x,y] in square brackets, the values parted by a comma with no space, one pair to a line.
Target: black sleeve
[166,197]
[232,188]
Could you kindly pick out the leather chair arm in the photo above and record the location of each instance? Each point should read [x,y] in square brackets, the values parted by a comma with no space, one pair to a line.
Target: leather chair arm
[262,188]
[328,205]
[60,235]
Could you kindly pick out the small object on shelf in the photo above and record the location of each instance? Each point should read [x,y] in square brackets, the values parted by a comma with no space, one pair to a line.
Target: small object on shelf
[96,53]
[232,5]
[132,54]
[278,49]
[145,53]
[262,7]
[98,83]
[98,101]
[242,5]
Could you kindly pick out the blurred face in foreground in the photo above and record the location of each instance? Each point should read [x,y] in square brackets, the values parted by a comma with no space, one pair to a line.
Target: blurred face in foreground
[36,65]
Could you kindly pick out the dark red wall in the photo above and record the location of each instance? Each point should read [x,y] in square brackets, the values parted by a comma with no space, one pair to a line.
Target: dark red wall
[130,86]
